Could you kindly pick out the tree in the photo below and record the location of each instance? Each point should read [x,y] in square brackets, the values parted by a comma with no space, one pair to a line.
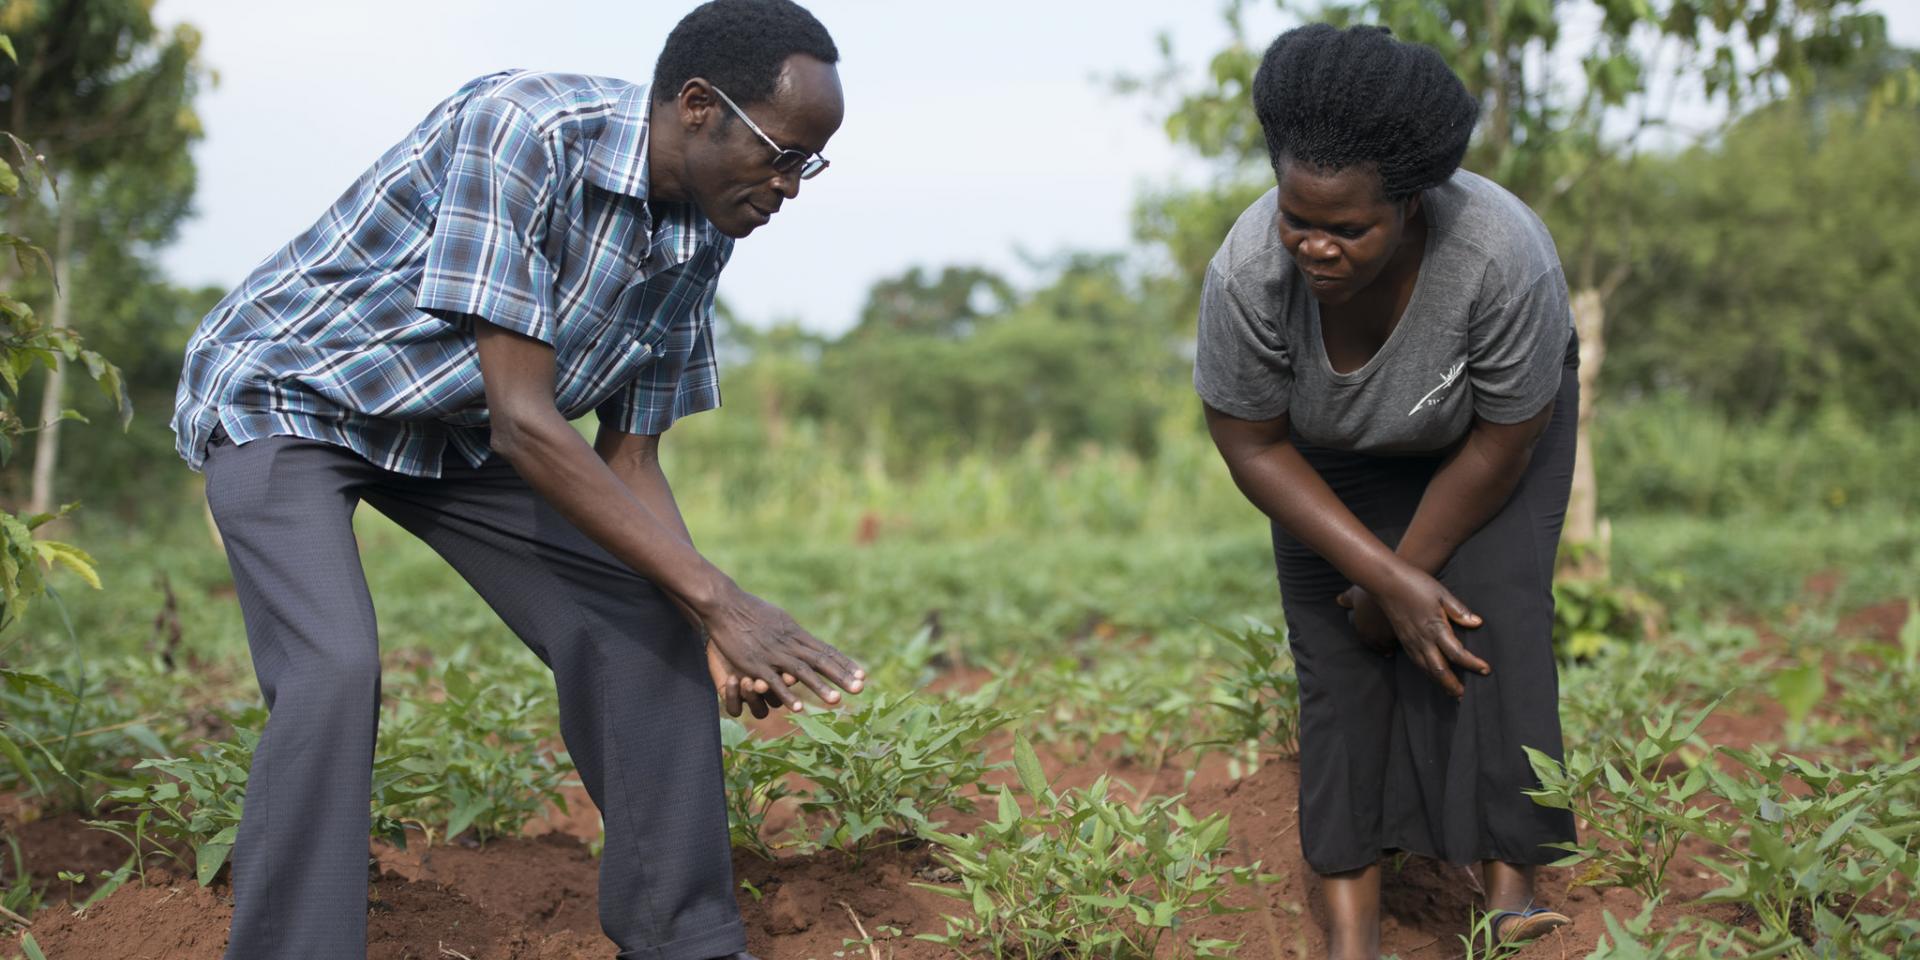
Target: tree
[949,305]
[104,91]
[25,343]
[1543,135]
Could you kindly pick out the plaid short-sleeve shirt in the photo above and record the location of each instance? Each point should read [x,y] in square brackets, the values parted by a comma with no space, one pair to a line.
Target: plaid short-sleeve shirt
[521,199]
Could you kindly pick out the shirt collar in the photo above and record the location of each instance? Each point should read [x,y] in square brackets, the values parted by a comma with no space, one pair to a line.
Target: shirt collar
[617,161]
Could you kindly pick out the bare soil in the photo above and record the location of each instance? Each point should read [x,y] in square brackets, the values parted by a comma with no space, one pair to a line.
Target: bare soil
[532,898]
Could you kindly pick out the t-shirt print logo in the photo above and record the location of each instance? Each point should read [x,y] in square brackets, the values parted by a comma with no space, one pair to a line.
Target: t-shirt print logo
[1433,396]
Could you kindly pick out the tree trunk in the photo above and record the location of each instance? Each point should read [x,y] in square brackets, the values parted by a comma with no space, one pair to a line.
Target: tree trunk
[46,451]
[1584,529]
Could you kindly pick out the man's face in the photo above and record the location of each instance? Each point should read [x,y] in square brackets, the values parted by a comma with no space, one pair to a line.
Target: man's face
[728,169]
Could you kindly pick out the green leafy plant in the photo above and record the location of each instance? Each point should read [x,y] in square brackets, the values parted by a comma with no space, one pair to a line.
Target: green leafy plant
[83,735]
[1878,696]
[20,897]
[1637,808]
[472,757]
[1814,860]
[1594,614]
[1258,695]
[1139,713]
[888,766]
[1482,939]
[755,782]
[1085,875]
[195,800]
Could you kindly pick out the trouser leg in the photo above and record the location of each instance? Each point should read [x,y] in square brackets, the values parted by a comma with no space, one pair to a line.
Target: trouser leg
[637,707]
[285,511]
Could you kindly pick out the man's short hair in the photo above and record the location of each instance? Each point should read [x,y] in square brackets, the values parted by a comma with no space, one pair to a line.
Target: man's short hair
[739,46]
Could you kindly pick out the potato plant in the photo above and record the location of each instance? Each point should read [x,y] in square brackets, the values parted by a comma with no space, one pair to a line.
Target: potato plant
[1085,875]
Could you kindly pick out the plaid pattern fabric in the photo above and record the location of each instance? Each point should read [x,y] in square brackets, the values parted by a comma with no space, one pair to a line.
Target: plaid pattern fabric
[521,199]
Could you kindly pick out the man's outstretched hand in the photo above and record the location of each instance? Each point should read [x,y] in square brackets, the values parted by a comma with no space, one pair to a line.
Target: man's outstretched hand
[759,658]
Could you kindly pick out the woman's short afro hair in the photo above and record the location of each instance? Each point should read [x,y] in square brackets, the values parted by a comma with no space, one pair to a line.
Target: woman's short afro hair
[1333,99]
[739,46]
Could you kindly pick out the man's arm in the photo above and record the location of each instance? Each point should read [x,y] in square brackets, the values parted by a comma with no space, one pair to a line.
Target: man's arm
[528,430]
[1279,480]
[635,459]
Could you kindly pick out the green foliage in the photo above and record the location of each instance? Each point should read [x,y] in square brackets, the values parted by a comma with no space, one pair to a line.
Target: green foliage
[1138,708]
[1879,692]
[755,781]
[1085,875]
[1259,694]
[1607,697]
[1482,939]
[26,343]
[473,756]
[82,734]
[1592,614]
[20,896]
[1637,808]
[1813,857]
[1759,235]
[194,800]
[889,765]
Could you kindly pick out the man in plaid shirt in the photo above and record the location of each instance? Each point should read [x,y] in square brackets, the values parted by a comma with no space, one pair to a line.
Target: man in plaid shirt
[540,247]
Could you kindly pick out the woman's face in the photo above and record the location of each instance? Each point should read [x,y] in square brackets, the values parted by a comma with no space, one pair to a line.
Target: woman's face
[1339,228]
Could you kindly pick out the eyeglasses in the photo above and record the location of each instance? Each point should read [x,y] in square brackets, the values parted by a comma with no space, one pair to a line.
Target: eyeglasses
[786,160]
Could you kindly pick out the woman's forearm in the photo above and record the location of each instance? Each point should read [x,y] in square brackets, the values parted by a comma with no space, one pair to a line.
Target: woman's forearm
[1276,478]
[1472,484]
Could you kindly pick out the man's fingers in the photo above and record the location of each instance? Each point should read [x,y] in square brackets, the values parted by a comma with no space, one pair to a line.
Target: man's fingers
[730,696]
[754,702]
[783,694]
[820,686]
[828,660]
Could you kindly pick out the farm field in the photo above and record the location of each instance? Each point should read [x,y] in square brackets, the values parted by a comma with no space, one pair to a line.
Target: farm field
[1738,718]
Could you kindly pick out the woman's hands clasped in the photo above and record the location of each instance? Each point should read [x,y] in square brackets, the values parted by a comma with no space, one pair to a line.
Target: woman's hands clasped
[1420,613]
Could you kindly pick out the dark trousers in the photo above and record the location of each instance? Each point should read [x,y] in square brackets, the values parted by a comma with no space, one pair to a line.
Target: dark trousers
[1390,761]
[637,708]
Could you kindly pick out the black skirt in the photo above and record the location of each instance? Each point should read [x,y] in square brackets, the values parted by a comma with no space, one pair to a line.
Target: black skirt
[1388,760]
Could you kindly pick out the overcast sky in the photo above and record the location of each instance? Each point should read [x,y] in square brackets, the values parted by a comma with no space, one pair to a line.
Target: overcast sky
[973,130]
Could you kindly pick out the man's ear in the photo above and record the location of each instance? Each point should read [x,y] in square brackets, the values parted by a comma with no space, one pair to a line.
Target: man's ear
[696,104]
[1410,209]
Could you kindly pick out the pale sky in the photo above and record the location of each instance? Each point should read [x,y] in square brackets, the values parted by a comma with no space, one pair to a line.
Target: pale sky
[973,130]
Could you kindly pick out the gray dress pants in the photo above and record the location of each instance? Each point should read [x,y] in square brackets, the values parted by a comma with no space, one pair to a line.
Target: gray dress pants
[637,708]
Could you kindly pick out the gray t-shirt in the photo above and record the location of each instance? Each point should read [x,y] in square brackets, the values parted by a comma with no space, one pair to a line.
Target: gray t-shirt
[1484,333]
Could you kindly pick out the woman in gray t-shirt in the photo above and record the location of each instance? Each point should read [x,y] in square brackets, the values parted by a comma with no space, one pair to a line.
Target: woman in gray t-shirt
[1387,360]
